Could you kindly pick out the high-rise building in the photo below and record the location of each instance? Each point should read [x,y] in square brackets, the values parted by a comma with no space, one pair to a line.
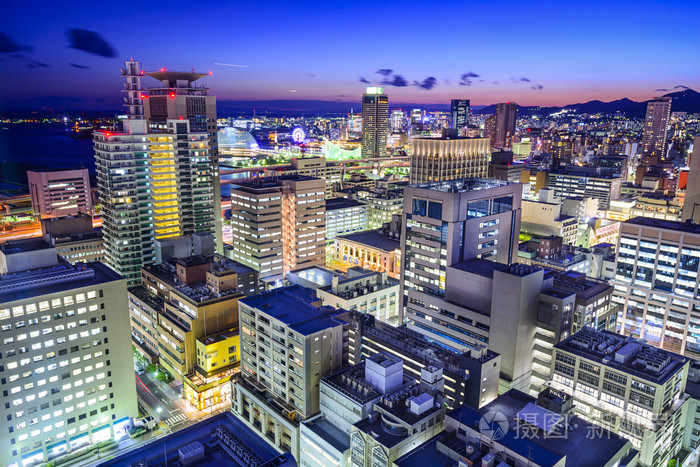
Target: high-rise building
[288,343]
[691,205]
[502,167]
[504,131]
[490,129]
[441,159]
[375,122]
[655,124]
[278,224]
[656,283]
[179,97]
[397,121]
[343,217]
[469,218]
[628,387]
[153,183]
[574,181]
[416,116]
[459,108]
[67,378]
[59,193]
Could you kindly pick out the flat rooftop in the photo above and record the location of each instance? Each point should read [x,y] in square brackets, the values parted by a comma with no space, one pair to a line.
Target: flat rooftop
[23,246]
[373,239]
[399,411]
[414,343]
[341,203]
[351,383]
[317,275]
[480,267]
[270,182]
[218,337]
[446,137]
[625,354]
[294,307]
[557,293]
[146,296]
[329,433]
[199,292]
[664,224]
[376,285]
[575,443]
[463,185]
[152,452]
[63,276]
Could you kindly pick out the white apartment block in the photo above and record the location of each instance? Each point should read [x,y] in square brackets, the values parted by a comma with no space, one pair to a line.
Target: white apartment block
[65,372]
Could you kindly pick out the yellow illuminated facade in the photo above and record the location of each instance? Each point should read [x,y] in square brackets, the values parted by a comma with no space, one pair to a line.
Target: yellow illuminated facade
[153,187]
[218,358]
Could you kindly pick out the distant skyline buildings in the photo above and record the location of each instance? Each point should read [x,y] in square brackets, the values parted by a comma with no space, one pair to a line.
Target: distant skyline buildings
[375,121]
[459,109]
[655,126]
[504,130]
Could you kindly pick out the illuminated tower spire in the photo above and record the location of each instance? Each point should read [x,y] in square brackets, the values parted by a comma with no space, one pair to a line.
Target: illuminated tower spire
[133,99]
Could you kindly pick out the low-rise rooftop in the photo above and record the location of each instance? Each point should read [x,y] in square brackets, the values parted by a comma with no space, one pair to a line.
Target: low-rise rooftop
[532,433]
[296,307]
[329,433]
[664,224]
[394,415]
[625,354]
[218,337]
[151,300]
[373,239]
[341,203]
[463,185]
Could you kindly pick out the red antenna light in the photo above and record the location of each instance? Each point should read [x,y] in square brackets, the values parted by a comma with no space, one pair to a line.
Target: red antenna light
[210,73]
[172,94]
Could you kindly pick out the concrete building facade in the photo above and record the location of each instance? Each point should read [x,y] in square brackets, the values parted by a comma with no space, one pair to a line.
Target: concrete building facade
[441,159]
[60,193]
[65,338]
[656,283]
[278,224]
[375,122]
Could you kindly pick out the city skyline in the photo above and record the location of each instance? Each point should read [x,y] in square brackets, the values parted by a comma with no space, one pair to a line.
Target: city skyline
[421,54]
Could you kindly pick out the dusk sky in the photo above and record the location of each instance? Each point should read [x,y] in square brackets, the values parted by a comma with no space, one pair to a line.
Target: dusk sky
[547,53]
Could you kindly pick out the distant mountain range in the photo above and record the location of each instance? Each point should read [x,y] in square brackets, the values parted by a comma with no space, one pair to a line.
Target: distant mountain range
[687,100]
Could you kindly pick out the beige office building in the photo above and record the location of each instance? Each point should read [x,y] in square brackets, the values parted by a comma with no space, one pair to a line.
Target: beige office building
[441,159]
[278,224]
[316,167]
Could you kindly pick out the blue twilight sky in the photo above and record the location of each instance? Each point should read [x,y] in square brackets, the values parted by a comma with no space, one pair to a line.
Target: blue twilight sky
[546,53]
